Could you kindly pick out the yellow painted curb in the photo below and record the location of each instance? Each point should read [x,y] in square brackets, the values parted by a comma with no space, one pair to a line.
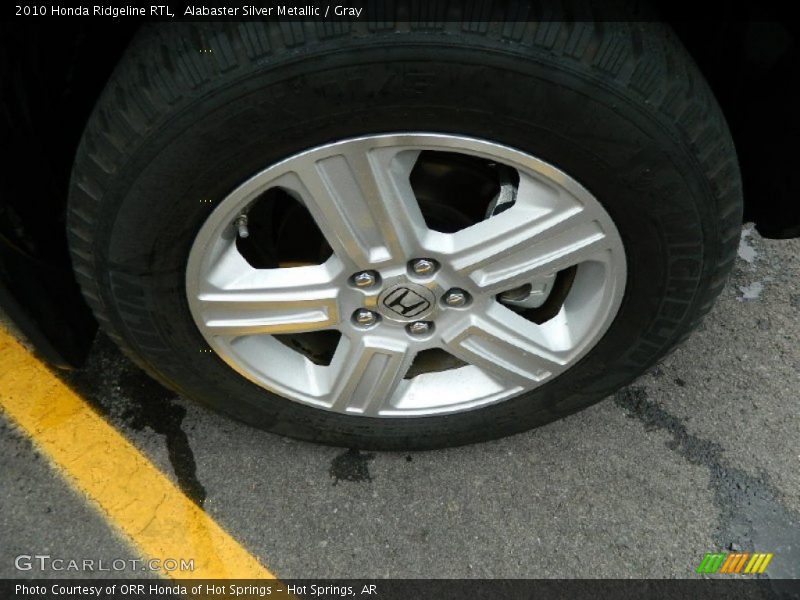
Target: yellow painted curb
[157,519]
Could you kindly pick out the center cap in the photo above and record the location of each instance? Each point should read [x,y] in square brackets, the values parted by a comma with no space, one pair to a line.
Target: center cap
[406,302]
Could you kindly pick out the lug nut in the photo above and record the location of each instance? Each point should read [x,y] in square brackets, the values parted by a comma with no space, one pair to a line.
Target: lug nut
[456,297]
[419,328]
[365,279]
[365,317]
[423,266]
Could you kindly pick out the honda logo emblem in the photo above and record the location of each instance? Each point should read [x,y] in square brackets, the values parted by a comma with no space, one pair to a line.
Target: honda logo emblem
[406,302]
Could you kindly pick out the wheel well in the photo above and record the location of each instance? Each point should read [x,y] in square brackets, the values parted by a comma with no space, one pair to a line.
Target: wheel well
[751,63]
[53,75]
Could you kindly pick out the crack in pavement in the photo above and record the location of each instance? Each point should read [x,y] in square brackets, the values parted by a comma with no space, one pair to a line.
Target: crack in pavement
[752,518]
[121,391]
[154,407]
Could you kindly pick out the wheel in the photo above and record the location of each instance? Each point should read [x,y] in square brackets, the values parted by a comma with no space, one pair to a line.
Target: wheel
[403,237]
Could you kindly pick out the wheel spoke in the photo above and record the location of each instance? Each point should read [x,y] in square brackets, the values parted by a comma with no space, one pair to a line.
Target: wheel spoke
[539,235]
[505,345]
[240,300]
[362,201]
[365,373]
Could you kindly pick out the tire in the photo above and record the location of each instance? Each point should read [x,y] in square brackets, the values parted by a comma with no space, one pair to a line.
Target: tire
[621,108]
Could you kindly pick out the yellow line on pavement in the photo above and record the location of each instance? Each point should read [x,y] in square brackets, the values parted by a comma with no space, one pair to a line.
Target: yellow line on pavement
[131,493]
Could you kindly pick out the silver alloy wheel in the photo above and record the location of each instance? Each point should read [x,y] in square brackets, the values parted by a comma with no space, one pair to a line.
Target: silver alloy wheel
[359,194]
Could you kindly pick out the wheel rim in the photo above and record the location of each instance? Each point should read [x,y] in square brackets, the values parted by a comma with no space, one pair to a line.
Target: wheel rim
[385,304]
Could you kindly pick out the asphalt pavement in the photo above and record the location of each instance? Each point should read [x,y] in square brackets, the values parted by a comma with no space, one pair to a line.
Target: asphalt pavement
[699,455]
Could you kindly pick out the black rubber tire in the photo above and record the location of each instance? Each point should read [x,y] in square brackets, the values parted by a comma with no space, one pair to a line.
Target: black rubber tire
[620,107]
